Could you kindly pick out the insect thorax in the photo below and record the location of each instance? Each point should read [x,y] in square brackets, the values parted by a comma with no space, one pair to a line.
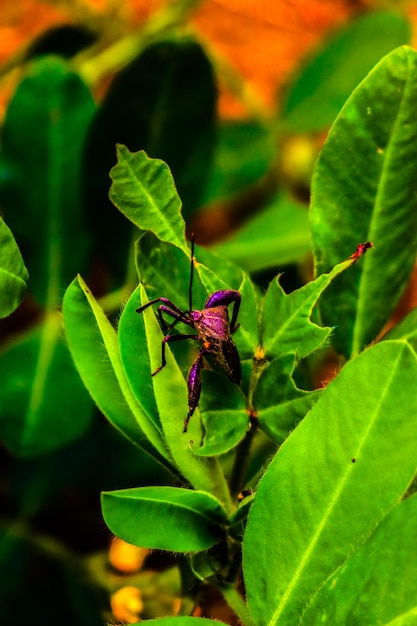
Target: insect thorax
[212,323]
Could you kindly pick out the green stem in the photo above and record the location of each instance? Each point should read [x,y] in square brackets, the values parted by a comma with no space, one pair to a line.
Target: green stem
[236,603]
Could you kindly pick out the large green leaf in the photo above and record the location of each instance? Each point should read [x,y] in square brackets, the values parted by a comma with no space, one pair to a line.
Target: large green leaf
[43,402]
[329,77]
[143,189]
[378,585]
[165,518]
[336,476]
[364,189]
[13,273]
[94,347]
[41,165]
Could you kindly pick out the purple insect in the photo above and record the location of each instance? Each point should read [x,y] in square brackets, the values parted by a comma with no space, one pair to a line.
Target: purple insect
[213,330]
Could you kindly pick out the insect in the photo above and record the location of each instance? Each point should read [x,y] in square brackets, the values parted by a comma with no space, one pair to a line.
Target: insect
[213,330]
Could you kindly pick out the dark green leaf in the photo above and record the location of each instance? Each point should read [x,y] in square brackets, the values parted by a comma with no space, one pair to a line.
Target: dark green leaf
[42,143]
[13,273]
[378,584]
[278,235]
[43,402]
[244,153]
[165,271]
[279,404]
[364,189]
[165,518]
[326,82]
[321,496]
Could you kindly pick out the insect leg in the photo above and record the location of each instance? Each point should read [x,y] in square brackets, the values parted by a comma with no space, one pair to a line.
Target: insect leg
[164,342]
[168,305]
[194,386]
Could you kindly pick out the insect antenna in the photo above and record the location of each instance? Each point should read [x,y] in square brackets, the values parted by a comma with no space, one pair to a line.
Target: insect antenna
[190,288]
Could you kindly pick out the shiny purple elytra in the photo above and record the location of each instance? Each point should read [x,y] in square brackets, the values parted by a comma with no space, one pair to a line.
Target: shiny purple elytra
[213,330]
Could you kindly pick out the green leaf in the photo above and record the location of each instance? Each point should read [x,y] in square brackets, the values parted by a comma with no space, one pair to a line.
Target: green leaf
[321,496]
[326,81]
[363,189]
[165,271]
[13,273]
[41,161]
[144,191]
[377,585]
[135,357]
[93,345]
[285,325]
[244,153]
[278,402]
[165,518]
[279,234]
[223,413]
[43,404]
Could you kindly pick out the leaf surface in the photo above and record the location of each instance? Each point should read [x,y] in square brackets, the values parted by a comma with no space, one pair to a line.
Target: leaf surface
[41,169]
[94,347]
[165,518]
[13,272]
[279,234]
[364,189]
[43,402]
[378,584]
[144,191]
[321,496]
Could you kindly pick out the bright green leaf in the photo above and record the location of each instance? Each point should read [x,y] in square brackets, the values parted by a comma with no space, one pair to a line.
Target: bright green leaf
[285,326]
[93,345]
[223,413]
[13,273]
[321,496]
[327,80]
[165,518]
[144,191]
[378,584]
[364,189]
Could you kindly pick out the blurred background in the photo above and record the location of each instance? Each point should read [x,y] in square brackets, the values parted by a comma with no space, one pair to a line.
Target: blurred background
[237,97]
